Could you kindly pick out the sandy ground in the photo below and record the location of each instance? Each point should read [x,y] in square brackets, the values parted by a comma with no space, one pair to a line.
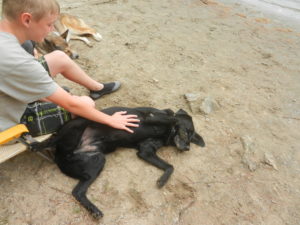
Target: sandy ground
[161,50]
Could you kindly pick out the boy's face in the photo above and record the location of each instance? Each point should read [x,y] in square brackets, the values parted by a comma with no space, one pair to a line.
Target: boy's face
[38,30]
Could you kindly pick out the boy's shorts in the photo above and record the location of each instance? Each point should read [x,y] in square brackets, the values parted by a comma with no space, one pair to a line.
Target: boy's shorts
[44,117]
[43,61]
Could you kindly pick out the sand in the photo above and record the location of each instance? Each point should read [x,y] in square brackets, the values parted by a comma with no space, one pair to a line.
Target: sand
[245,66]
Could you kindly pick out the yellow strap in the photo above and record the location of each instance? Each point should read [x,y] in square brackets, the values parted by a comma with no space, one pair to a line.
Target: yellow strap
[12,133]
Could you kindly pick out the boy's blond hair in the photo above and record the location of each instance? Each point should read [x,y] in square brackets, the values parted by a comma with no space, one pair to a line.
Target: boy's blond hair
[11,9]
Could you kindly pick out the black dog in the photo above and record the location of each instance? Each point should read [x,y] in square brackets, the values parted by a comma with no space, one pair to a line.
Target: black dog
[81,145]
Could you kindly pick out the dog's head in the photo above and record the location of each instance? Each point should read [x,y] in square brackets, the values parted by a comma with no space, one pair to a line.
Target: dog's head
[54,41]
[185,132]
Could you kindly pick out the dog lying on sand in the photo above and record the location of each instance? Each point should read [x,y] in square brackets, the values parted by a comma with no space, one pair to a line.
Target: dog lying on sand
[67,27]
[55,41]
[81,145]
[78,29]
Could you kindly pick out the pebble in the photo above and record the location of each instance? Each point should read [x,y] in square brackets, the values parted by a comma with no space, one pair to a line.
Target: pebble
[269,160]
[209,105]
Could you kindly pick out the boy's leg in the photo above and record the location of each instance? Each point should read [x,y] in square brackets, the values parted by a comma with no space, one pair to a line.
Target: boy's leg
[59,62]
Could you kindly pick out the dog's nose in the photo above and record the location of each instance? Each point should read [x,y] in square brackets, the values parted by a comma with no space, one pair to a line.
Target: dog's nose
[185,148]
[74,56]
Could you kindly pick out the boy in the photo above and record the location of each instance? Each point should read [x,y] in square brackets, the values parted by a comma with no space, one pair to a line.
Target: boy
[23,79]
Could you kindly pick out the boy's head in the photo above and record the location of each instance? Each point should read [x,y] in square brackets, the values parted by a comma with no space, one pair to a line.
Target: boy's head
[35,18]
[12,9]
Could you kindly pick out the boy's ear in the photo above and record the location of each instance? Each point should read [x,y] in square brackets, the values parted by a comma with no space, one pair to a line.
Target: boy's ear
[26,19]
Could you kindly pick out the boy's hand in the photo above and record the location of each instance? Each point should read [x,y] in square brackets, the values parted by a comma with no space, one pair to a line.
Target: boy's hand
[121,120]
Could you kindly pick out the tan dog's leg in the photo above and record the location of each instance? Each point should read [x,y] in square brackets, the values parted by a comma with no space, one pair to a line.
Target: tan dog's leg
[97,36]
[84,39]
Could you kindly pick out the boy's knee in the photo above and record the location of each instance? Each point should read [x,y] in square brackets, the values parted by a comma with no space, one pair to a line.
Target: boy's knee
[59,54]
[57,57]
[57,61]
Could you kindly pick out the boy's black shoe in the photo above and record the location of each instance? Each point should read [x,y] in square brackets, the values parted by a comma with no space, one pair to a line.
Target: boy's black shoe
[67,89]
[107,89]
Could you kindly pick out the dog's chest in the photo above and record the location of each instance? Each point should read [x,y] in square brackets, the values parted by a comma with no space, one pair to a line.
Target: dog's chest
[146,131]
[105,139]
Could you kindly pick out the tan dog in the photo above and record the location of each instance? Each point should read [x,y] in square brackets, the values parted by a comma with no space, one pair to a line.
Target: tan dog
[68,28]
[78,29]
[56,41]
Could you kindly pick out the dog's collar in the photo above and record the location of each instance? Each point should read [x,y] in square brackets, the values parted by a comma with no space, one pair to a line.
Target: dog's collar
[172,133]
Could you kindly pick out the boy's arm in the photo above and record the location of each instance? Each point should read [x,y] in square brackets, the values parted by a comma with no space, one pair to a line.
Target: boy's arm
[119,120]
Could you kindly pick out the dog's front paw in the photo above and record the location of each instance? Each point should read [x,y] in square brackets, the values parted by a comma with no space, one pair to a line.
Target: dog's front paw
[165,177]
[97,215]
[160,183]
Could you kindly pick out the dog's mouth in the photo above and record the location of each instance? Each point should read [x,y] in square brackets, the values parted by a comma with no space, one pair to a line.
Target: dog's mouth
[180,144]
[184,149]
[187,148]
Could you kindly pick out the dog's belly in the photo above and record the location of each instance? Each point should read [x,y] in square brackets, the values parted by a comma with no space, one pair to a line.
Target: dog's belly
[88,142]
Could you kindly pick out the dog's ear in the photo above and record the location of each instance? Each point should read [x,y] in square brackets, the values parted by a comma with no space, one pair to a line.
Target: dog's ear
[198,140]
[169,112]
[65,35]
[181,112]
[47,41]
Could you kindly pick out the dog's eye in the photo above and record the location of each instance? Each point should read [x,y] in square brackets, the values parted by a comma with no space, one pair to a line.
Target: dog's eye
[191,134]
[183,134]
[58,48]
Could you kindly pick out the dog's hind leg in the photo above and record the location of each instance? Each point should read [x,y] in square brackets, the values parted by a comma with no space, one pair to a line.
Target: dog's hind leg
[79,192]
[84,39]
[91,171]
[147,151]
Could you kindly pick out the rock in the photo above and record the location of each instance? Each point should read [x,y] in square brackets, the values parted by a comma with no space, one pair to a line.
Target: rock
[209,105]
[252,165]
[269,160]
[248,156]
[247,143]
[252,157]
[209,2]
[192,101]
[191,97]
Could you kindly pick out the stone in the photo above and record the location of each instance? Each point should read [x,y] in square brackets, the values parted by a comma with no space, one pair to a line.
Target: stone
[191,97]
[209,105]
[269,160]
[249,156]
